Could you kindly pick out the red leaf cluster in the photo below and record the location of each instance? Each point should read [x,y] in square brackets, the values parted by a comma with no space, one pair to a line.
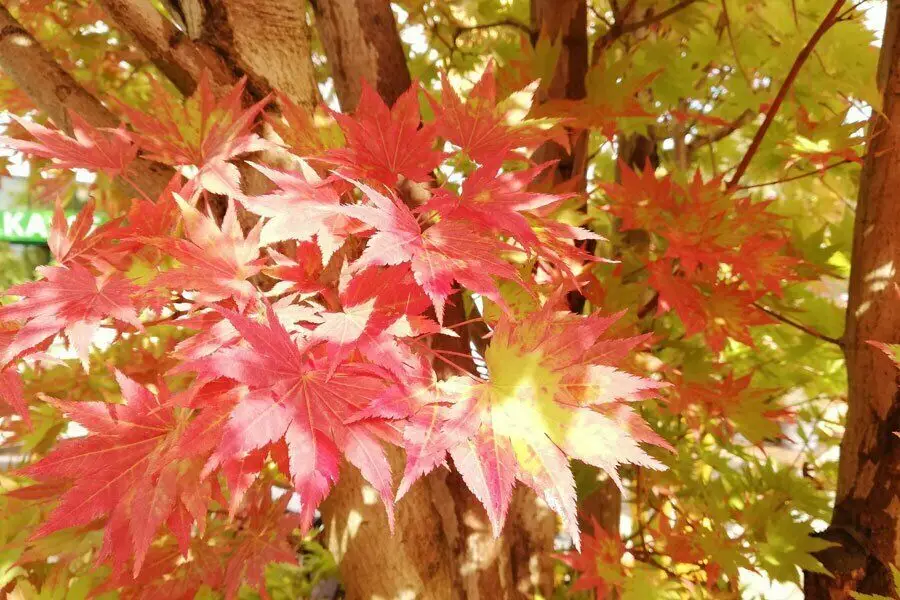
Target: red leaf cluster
[313,330]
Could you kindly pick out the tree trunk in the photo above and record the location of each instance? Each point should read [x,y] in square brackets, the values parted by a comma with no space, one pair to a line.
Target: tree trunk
[442,547]
[178,57]
[866,519]
[568,20]
[266,40]
[361,41]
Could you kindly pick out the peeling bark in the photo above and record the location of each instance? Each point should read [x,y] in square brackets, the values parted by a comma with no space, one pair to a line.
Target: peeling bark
[866,519]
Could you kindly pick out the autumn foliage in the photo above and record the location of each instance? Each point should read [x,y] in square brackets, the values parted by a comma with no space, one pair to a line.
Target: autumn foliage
[313,330]
[413,288]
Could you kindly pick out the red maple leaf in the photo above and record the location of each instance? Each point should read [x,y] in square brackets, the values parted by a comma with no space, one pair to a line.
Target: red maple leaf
[231,553]
[446,252]
[387,143]
[301,275]
[110,151]
[480,126]
[296,126]
[201,131]
[12,394]
[215,262]
[302,208]
[379,307]
[725,311]
[495,201]
[123,240]
[69,299]
[124,470]
[70,242]
[599,563]
[295,398]
[705,227]
[267,540]
[215,331]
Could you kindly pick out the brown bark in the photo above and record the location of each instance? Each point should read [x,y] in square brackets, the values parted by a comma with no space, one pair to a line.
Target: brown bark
[266,40]
[566,19]
[56,93]
[361,41]
[866,519]
[177,57]
[442,547]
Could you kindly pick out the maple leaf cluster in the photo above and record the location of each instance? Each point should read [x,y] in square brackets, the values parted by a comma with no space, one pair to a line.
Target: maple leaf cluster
[314,300]
[717,254]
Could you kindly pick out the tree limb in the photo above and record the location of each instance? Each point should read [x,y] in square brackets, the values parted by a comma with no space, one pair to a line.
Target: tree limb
[179,58]
[702,140]
[800,175]
[56,93]
[48,85]
[463,30]
[824,26]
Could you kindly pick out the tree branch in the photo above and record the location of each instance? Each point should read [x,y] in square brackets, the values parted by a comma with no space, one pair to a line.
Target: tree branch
[726,130]
[824,26]
[656,18]
[800,175]
[179,58]
[48,85]
[734,49]
[796,324]
[620,29]
[463,30]
[55,92]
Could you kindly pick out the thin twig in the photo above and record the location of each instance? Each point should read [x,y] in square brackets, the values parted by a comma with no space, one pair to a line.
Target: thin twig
[844,15]
[620,29]
[799,175]
[462,30]
[796,324]
[656,18]
[824,26]
[722,133]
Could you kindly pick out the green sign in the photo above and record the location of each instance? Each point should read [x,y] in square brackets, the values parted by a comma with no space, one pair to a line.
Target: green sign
[30,226]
